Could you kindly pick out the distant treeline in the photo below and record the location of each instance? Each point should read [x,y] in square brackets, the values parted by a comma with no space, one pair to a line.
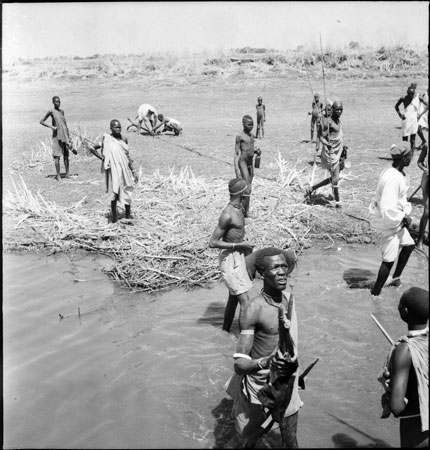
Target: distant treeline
[351,61]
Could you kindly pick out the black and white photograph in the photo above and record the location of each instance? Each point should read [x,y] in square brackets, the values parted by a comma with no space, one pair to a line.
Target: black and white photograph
[215,224]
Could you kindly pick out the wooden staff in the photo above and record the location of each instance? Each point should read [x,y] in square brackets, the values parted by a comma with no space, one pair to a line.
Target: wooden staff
[382,329]
[309,81]
[141,126]
[416,190]
[328,124]
[83,138]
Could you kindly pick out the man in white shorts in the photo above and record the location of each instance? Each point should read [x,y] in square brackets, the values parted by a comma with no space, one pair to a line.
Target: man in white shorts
[229,236]
[390,211]
[411,104]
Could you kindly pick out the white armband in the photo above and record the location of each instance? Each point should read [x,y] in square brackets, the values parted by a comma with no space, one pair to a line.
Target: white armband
[241,355]
[247,332]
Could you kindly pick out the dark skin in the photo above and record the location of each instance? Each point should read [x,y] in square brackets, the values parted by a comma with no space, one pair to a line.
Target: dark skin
[385,268]
[317,107]
[231,306]
[399,379]
[325,112]
[256,317]
[57,102]
[243,155]
[229,234]
[115,128]
[261,118]
[151,120]
[327,126]
[425,111]
[168,126]
[406,101]
[422,164]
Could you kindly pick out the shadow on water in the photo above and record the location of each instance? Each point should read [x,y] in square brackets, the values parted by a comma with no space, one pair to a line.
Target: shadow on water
[225,434]
[342,440]
[359,278]
[224,428]
[214,315]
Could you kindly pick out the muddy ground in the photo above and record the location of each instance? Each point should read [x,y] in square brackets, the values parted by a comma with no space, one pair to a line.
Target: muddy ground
[210,110]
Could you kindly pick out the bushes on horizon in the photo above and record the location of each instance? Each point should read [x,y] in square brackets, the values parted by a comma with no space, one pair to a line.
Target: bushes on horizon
[352,60]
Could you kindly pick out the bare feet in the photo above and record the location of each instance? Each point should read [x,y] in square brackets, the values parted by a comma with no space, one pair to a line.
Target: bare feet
[308,191]
[58,178]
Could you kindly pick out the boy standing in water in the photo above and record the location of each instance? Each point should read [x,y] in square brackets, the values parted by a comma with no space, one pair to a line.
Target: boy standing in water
[261,118]
[228,236]
[60,136]
[243,159]
[405,376]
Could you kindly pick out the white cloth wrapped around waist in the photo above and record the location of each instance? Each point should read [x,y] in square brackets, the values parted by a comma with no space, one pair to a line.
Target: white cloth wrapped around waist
[390,205]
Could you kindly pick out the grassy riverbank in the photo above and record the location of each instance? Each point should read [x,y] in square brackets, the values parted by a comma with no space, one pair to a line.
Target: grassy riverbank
[183,183]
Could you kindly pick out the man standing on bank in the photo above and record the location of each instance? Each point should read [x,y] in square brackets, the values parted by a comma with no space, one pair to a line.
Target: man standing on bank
[411,106]
[317,107]
[118,168]
[243,159]
[330,134]
[60,137]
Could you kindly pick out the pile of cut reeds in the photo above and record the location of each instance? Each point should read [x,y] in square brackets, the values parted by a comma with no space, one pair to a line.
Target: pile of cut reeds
[175,213]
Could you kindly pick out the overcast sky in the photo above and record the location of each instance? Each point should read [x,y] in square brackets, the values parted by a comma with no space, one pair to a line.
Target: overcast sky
[83,29]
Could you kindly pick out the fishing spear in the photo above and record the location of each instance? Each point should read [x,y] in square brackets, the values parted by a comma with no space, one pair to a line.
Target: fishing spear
[328,124]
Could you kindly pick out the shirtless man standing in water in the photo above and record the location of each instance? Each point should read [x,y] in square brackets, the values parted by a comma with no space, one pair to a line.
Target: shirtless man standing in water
[228,236]
[243,159]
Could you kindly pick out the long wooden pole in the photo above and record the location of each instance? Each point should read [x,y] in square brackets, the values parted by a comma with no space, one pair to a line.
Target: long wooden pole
[413,195]
[382,329]
[328,123]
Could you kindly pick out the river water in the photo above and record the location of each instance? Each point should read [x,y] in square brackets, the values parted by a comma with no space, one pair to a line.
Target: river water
[127,370]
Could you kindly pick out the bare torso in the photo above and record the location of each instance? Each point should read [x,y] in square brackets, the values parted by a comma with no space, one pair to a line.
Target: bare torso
[266,335]
[260,111]
[246,148]
[236,229]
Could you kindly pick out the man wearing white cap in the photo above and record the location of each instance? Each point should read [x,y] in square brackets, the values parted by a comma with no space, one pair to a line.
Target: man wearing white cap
[391,211]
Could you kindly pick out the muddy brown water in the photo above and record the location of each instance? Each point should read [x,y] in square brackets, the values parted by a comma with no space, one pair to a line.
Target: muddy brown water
[127,370]
[139,371]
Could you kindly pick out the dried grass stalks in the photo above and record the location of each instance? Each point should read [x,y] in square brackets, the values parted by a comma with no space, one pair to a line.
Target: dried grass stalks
[41,153]
[167,243]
